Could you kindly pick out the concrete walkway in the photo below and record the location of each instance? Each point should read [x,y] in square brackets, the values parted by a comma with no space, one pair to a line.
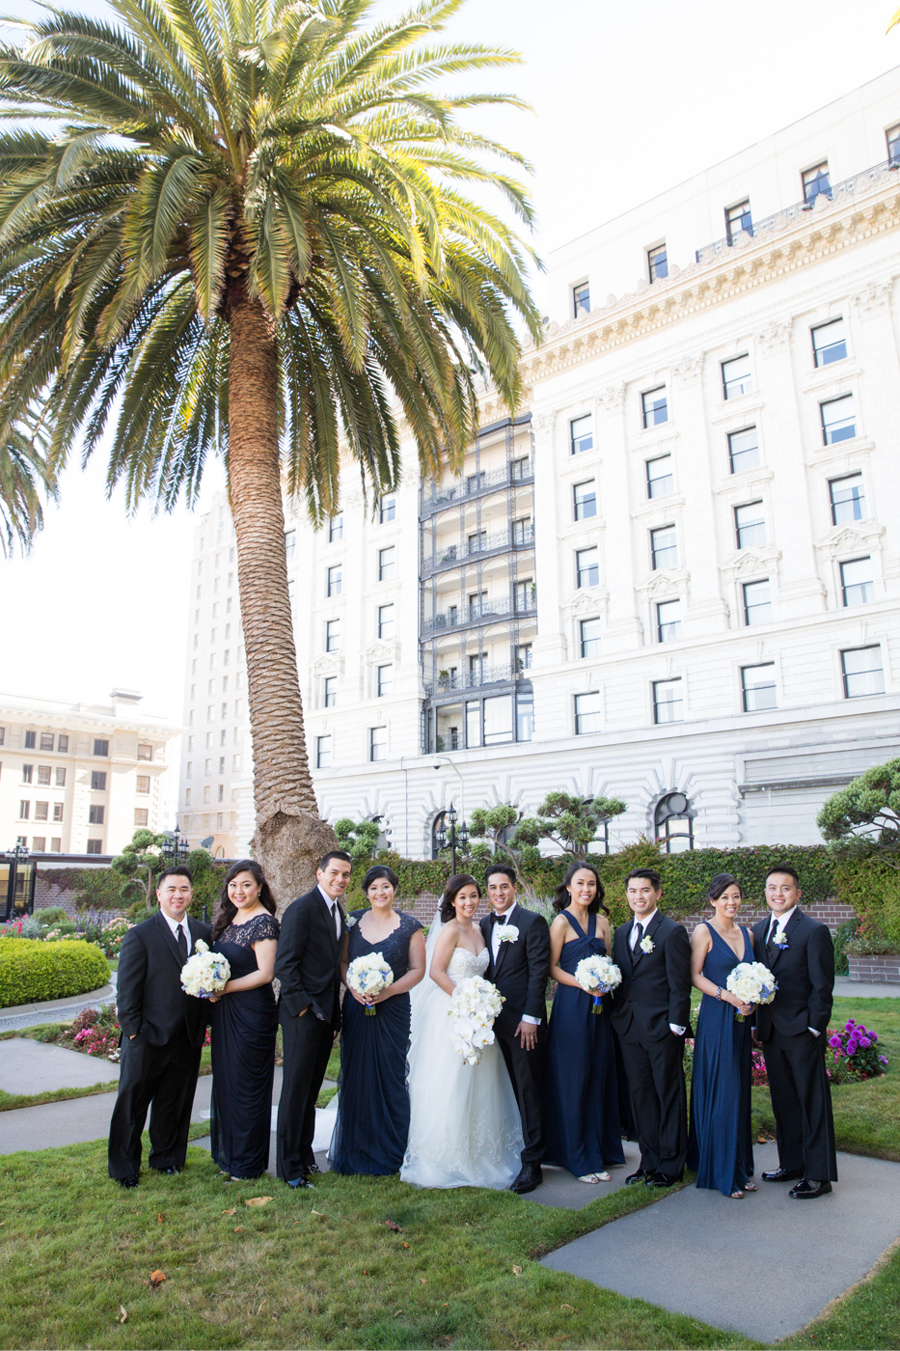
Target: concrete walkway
[683,1252]
[28,1066]
[845,988]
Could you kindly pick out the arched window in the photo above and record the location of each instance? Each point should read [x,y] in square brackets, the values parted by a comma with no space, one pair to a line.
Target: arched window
[439,824]
[673,820]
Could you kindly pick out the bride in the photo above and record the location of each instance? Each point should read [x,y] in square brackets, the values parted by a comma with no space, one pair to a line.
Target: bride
[465,1129]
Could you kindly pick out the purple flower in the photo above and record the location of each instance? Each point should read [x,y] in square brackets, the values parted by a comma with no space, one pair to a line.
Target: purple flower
[852,1048]
[849,1025]
[865,1043]
[883,1059]
[873,1036]
[834,1040]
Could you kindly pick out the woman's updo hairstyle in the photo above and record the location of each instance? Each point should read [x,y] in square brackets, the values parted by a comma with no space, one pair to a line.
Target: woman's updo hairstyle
[380,870]
[562,897]
[721,882]
[451,891]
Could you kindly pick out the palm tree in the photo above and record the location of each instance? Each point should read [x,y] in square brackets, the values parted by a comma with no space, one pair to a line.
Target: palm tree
[23,468]
[245,232]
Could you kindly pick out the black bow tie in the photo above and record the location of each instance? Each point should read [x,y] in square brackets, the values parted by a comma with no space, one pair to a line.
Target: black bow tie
[498,919]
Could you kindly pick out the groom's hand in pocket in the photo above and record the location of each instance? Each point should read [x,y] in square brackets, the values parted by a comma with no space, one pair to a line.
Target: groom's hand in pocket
[528,1035]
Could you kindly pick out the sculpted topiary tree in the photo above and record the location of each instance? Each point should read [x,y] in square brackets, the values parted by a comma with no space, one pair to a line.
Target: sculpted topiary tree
[245,233]
[864,817]
[568,821]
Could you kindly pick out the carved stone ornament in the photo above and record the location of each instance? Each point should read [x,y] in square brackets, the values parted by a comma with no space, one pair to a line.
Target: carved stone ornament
[381,650]
[689,367]
[876,297]
[588,601]
[542,424]
[847,539]
[750,561]
[775,336]
[671,581]
[328,664]
[612,398]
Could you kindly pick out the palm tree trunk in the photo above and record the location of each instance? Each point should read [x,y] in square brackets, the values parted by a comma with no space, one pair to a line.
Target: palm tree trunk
[289,837]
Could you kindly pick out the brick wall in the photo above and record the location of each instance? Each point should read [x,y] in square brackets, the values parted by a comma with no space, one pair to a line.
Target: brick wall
[880,970]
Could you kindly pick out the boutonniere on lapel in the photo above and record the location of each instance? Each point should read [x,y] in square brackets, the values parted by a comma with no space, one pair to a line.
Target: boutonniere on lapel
[351,920]
[509,933]
[782,943]
[646,944]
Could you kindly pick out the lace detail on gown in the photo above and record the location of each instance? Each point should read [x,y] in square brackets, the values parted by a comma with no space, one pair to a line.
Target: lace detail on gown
[255,930]
[464,1126]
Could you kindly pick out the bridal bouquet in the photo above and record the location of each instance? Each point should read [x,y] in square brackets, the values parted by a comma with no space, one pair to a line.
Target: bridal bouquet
[753,983]
[598,975]
[204,973]
[473,1008]
[369,976]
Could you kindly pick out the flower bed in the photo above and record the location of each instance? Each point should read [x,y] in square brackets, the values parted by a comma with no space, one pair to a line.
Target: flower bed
[852,1054]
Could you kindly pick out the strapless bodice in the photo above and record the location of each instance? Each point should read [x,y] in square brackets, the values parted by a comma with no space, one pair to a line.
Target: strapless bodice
[463,964]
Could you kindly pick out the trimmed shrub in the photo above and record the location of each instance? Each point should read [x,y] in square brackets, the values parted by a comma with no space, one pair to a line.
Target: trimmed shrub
[872,887]
[32,971]
[52,915]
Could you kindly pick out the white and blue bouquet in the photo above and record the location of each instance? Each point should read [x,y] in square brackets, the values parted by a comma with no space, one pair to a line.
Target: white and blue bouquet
[753,983]
[473,1007]
[369,976]
[598,975]
[204,973]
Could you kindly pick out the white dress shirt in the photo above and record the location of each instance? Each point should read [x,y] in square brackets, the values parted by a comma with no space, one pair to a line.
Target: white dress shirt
[775,935]
[333,907]
[495,948]
[175,925]
[645,925]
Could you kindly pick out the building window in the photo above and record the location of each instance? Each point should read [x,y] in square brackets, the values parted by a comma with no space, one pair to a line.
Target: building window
[385,621]
[39,844]
[524,715]
[220,793]
[668,621]
[585,499]
[142,784]
[46,741]
[206,793]
[524,596]
[336,528]
[587,713]
[523,531]
[660,478]
[524,656]
[377,743]
[477,542]
[60,778]
[27,773]
[387,563]
[145,753]
[848,499]
[62,745]
[141,816]
[290,543]
[857,587]
[663,548]
[477,604]
[757,602]
[738,218]
[98,780]
[736,377]
[387,508]
[95,846]
[2,735]
[581,299]
[57,811]
[816,182]
[334,578]
[323,752]
[332,635]
[31,741]
[101,747]
[44,775]
[589,637]
[654,406]
[520,469]
[743,450]
[838,420]
[477,668]
[657,263]
[829,342]
[385,680]
[96,815]
[862,671]
[24,810]
[758,687]
[750,525]
[329,692]
[668,701]
[673,824]
[41,810]
[587,567]
[221,764]
[581,435]
[56,844]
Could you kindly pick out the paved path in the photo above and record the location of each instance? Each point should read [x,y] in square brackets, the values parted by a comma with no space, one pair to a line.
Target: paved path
[28,1066]
[56,1010]
[845,988]
[683,1252]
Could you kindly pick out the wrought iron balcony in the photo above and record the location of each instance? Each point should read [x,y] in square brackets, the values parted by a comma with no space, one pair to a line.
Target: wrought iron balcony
[438,495]
[483,612]
[474,679]
[789,214]
[454,555]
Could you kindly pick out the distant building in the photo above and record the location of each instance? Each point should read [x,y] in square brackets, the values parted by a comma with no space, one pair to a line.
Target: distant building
[80,778]
[673,577]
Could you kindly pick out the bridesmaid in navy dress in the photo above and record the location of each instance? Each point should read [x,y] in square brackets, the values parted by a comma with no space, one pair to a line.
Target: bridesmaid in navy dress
[244,1024]
[582,1130]
[372,1125]
[720,1146]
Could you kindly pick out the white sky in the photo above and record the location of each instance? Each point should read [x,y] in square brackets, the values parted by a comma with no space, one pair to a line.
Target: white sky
[629,99]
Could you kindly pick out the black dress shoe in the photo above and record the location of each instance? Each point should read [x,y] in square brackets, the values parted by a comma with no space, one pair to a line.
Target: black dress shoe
[782,1175]
[808,1189]
[170,1172]
[642,1175]
[301,1183]
[529,1178]
[132,1181]
[663,1180]
[312,1168]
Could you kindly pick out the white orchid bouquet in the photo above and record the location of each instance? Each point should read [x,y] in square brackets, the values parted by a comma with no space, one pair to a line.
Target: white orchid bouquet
[473,1007]
[753,983]
[369,976]
[598,975]
[205,973]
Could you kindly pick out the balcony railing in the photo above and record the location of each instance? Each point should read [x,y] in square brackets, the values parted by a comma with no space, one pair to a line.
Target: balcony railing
[474,679]
[452,555]
[442,494]
[789,214]
[461,616]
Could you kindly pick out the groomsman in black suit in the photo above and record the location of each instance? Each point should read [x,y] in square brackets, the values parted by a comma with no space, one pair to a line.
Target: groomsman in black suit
[650,1013]
[162,1035]
[799,952]
[308,964]
[519,967]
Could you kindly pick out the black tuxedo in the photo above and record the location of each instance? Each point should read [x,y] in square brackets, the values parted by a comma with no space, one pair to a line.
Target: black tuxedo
[308,966]
[162,1037]
[520,974]
[795,1059]
[655,991]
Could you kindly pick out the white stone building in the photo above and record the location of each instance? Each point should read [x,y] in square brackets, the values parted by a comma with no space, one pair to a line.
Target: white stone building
[674,577]
[80,778]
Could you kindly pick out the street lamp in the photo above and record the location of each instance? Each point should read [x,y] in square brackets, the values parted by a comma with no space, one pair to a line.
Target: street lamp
[453,837]
[175,849]
[21,876]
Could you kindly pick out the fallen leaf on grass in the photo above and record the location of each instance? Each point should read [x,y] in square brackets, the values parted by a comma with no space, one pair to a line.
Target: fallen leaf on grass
[398,1313]
[392,1224]
[422,1280]
[517,1271]
[567,1306]
[321,1214]
[159,1219]
[238,1228]
[232,1211]
[123,1318]
[156,1278]
[406,1245]
[257,1200]
[260,1307]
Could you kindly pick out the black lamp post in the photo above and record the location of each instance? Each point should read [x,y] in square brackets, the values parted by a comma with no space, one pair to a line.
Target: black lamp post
[175,849]
[21,877]
[453,837]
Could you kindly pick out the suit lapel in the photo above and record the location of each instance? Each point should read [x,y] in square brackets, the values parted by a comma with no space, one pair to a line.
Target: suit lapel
[170,939]
[648,933]
[629,955]
[786,935]
[501,946]
[328,920]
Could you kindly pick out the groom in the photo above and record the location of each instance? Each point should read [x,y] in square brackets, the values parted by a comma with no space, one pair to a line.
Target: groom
[519,943]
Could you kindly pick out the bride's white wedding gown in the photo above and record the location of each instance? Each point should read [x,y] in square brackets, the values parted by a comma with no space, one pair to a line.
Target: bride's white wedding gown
[464,1124]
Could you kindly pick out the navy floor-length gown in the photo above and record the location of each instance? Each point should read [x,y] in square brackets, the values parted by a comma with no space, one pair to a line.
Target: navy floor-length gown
[582,1129]
[720,1146]
[243,1056]
[372,1126]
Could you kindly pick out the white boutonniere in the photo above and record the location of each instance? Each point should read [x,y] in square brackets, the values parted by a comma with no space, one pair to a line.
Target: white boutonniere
[647,945]
[351,920]
[509,933]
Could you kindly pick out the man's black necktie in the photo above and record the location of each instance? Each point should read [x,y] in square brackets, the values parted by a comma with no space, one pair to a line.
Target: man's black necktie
[771,945]
[182,941]
[636,950]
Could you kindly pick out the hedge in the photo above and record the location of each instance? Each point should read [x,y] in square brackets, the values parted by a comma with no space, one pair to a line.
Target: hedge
[872,887]
[32,971]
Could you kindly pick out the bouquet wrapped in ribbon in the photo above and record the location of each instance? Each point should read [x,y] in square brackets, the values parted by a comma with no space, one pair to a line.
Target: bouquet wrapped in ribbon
[204,973]
[598,975]
[369,976]
[753,983]
[473,1007]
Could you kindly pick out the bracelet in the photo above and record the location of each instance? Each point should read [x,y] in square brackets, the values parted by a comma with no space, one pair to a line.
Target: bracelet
[719,993]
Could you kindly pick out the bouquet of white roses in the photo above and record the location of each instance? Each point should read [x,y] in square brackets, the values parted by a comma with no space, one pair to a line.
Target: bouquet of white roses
[598,975]
[473,1008]
[369,976]
[753,983]
[204,973]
